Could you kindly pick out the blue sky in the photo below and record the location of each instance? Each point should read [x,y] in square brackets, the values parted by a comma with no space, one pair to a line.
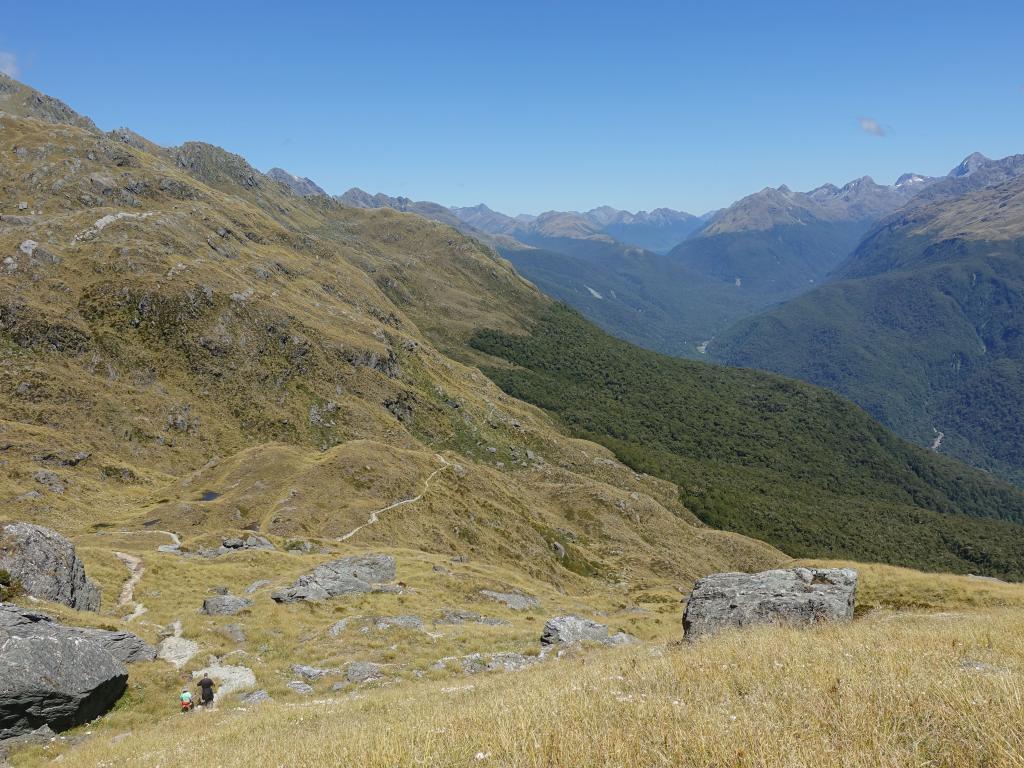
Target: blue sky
[531,106]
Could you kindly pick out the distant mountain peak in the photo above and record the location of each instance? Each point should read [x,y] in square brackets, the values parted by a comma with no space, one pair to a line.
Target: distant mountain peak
[300,185]
[970,164]
[910,180]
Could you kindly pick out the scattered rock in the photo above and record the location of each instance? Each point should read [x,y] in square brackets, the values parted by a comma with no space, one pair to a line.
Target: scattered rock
[515,601]
[254,698]
[175,649]
[571,630]
[311,673]
[51,674]
[349,575]
[234,632]
[237,544]
[476,663]
[379,623]
[62,458]
[363,672]
[249,542]
[230,678]
[300,687]
[45,565]
[51,480]
[797,596]
[225,605]
[257,585]
[468,617]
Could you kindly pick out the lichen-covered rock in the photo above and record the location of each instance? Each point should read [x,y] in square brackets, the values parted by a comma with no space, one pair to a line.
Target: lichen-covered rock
[225,605]
[797,596]
[123,646]
[571,630]
[254,698]
[347,576]
[363,671]
[51,674]
[46,566]
[513,600]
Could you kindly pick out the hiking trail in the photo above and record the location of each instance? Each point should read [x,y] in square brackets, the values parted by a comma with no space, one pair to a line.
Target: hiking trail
[375,515]
[136,569]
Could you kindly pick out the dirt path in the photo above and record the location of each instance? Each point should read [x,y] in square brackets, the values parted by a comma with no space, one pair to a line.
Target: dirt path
[375,515]
[135,571]
[174,546]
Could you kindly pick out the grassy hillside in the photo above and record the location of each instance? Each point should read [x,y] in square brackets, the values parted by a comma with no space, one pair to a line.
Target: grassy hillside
[924,328]
[826,697]
[772,458]
[180,318]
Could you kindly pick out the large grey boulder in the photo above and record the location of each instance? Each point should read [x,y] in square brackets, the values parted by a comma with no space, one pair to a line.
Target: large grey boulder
[362,672]
[570,630]
[46,566]
[513,600]
[347,576]
[123,646]
[225,605]
[562,631]
[798,596]
[52,675]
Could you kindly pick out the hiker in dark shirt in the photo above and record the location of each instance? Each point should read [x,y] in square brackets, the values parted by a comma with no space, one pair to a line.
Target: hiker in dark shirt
[206,690]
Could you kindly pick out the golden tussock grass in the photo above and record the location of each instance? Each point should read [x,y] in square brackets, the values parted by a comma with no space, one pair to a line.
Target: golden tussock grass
[894,689]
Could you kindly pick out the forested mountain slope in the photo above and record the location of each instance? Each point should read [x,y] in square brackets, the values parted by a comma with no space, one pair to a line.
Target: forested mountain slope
[922,326]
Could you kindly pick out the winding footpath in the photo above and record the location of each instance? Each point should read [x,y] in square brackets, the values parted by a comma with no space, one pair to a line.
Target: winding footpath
[375,515]
[135,571]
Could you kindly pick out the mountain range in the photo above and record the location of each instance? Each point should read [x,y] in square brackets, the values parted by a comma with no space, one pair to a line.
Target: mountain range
[922,324]
[810,253]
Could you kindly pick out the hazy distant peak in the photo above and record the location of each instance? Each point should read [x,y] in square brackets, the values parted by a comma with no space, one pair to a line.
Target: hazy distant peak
[970,164]
[910,180]
[299,185]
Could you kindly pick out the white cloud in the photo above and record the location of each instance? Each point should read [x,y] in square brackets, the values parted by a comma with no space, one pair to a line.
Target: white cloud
[8,64]
[872,126]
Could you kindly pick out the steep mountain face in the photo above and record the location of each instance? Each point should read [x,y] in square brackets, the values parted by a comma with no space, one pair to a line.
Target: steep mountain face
[301,186]
[923,324]
[811,474]
[777,243]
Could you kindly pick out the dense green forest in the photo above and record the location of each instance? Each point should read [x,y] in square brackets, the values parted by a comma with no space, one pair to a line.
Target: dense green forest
[781,460]
[927,348]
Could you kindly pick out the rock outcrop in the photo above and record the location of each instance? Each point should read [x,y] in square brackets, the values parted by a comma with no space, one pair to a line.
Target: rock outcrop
[347,576]
[54,675]
[230,678]
[573,630]
[46,566]
[513,600]
[225,605]
[123,646]
[797,596]
[237,544]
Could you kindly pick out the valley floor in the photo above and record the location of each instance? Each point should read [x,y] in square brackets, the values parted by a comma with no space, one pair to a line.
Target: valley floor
[897,687]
